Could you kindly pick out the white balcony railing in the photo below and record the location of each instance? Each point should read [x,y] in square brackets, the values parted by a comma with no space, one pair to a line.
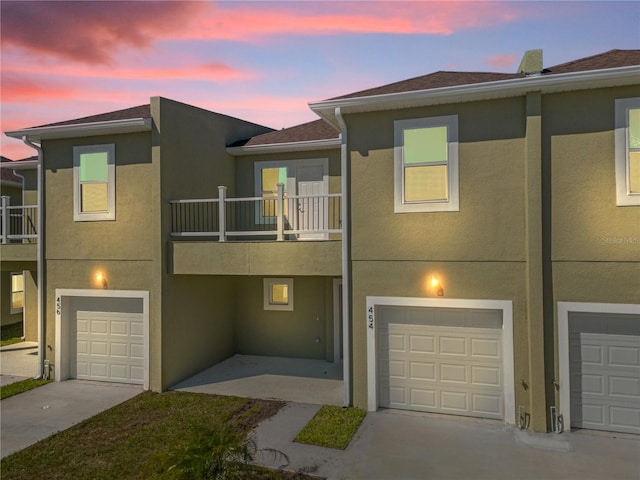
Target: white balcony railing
[274,216]
[17,223]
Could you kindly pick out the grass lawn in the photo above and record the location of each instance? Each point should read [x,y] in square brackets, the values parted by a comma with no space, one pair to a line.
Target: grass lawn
[332,427]
[10,334]
[19,387]
[141,438]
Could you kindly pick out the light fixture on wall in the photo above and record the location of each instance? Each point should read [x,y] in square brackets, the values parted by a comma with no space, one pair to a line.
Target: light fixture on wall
[437,286]
[101,280]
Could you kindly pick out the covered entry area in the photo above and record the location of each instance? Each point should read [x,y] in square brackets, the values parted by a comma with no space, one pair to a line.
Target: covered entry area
[290,379]
[441,355]
[102,335]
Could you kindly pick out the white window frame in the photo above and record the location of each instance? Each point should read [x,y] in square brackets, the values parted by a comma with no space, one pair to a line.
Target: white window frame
[11,292]
[110,214]
[452,203]
[268,285]
[623,197]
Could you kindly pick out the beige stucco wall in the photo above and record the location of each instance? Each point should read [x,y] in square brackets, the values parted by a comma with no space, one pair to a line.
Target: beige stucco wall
[489,225]
[478,252]
[301,333]
[256,258]
[198,329]
[578,130]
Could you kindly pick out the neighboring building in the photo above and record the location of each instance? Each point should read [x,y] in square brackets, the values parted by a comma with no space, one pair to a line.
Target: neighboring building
[18,234]
[478,233]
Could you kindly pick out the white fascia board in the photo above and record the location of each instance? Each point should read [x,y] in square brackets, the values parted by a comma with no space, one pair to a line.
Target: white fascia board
[130,125]
[327,144]
[479,91]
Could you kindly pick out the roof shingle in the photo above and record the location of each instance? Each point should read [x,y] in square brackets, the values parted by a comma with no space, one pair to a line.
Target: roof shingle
[141,111]
[315,130]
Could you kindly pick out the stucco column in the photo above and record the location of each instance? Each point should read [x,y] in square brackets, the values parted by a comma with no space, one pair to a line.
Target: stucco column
[534,259]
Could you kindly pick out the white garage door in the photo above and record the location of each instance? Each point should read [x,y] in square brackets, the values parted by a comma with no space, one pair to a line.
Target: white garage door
[109,347]
[441,360]
[604,361]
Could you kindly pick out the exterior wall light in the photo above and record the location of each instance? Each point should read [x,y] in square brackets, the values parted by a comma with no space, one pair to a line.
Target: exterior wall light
[101,280]
[437,286]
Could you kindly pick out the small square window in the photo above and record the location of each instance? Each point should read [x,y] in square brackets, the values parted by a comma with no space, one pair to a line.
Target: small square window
[278,293]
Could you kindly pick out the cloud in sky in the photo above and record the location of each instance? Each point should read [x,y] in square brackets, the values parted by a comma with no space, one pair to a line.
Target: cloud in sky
[90,32]
[93,32]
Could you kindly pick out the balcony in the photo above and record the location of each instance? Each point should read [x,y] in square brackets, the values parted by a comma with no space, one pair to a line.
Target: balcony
[18,232]
[276,234]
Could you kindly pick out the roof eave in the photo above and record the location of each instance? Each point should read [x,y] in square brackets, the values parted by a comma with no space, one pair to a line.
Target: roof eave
[325,144]
[130,125]
[20,165]
[478,91]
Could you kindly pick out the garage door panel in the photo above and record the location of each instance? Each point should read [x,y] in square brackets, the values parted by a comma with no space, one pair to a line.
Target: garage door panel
[119,328]
[620,386]
[422,344]
[453,373]
[485,347]
[624,417]
[423,371]
[623,356]
[454,401]
[118,349]
[423,399]
[441,368]
[486,376]
[99,349]
[489,405]
[137,351]
[453,346]
[99,327]
[137,329]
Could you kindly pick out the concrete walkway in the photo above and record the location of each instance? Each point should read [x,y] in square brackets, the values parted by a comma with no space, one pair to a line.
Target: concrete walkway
[18,361]
[274,378]
[395,445]
[31,416]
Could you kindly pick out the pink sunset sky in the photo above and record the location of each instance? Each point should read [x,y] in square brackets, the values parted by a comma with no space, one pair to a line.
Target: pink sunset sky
[264,61]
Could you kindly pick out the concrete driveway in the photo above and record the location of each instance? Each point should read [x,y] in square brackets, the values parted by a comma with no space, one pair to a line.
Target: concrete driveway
[397,445]
[274,378]
[18,361]
[31,416]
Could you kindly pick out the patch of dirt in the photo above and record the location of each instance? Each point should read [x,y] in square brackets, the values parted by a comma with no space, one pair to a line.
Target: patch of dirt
[253,412]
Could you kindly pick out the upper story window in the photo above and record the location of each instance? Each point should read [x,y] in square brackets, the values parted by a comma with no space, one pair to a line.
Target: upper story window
[627,144]
[270,177]
[94,175]
[426,164]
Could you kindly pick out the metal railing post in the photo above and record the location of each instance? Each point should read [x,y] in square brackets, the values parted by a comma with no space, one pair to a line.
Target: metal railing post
[222,221]
[5,219]
[280,217]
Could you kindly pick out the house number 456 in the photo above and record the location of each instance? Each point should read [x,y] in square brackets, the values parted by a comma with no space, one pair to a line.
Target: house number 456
[370,317]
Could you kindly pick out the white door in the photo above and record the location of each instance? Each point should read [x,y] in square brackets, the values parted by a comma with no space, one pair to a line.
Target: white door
[433,360]
[312,212]
[604,362]
[109,346]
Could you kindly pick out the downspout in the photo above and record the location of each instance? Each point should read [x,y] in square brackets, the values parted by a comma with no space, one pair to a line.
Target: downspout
[40,260]
[346,266]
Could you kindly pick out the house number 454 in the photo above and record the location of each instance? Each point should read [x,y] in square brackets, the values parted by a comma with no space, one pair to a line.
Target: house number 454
[370,317]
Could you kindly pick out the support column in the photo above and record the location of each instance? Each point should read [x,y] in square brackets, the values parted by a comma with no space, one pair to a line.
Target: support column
[534,263]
